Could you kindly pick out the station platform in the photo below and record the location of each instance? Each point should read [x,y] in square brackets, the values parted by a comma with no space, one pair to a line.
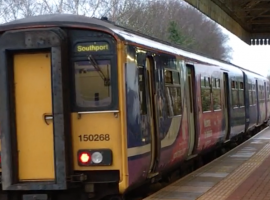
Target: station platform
[241,174]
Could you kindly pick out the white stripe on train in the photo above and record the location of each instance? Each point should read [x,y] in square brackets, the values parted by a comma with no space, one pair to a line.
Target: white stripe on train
[165,142]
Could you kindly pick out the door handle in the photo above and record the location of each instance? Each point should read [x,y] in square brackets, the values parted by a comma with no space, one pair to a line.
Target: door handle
[47,117]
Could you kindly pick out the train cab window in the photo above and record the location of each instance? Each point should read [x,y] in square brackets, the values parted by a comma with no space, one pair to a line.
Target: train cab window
[173,92]
[206,94]
[216,90]
[92,83]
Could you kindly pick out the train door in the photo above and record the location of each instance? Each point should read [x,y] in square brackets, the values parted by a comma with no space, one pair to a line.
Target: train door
[226,105]
[191,108]
[32,131]
[35,118]
[152,114]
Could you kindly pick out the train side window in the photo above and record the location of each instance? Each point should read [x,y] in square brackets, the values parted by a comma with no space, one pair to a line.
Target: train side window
[218,82]
[233,84]
[250,94]
[168,77]
[203,81]
[173,92]
[268,94]
[241,85]
[216,93]
[254,94]
[263,94]
[241,94]
[207,81]
[214,82]
[206,94]
[260,93]
[235,101]
[176,78]
[169,62]
[142,91]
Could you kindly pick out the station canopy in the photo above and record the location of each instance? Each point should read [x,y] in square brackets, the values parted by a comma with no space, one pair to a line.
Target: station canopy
[247,19]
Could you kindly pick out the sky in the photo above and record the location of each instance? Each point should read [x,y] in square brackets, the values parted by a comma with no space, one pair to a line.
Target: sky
[253,57]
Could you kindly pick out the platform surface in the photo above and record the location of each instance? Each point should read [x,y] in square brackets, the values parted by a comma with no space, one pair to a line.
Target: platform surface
[241,174]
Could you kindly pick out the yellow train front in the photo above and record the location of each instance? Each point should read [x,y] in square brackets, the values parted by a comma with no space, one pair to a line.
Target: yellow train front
[61,100]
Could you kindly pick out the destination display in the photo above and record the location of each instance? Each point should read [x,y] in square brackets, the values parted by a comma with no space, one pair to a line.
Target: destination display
[92,47]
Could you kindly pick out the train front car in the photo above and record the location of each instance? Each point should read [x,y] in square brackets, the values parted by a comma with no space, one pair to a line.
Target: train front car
[61,101]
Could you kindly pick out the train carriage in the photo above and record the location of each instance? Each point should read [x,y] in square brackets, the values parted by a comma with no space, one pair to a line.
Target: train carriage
[89,109]
[257,98]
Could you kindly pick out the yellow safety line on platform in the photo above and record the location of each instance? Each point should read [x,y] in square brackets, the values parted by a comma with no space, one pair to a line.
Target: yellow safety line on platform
[225,187]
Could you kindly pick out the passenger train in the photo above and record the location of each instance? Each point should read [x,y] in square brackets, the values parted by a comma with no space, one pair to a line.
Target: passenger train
[92,110]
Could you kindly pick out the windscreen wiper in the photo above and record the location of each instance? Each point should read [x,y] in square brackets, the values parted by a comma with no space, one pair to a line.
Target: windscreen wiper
[106,80]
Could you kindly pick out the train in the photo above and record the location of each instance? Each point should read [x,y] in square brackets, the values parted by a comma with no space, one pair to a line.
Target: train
[93,110]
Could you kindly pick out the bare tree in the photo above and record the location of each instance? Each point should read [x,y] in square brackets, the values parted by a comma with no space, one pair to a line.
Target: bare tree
[15,9]
[151,17]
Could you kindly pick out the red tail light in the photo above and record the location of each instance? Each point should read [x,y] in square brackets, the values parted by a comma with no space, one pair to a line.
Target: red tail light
[84,157]
[94,157]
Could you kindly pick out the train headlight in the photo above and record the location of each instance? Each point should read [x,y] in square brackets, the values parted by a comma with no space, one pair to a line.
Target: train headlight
[97,157]
[92,157]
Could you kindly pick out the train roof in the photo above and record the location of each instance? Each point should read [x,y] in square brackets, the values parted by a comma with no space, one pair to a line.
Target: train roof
[70,20]
[55,19]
